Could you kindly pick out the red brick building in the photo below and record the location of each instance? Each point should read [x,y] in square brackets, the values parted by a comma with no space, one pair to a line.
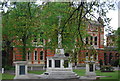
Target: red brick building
[95,39]
[111,54]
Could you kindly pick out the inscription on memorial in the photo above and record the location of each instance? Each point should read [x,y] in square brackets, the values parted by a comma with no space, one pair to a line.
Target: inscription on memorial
[91,67]
[61,69]
[57,63]
[22,70]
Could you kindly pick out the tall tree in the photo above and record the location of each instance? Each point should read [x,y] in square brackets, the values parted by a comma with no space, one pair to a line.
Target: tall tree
[118,39]
[74,22]
[22,26]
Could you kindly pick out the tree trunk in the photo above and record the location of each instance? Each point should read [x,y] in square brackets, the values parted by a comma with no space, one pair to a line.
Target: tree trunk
[24,48]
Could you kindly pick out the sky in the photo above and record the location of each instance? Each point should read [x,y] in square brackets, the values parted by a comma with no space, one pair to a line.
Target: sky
[114,15]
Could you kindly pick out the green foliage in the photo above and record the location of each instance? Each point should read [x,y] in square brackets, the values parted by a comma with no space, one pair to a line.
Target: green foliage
[109,75]
[107,68]
[118,39]
[20,25]
[7,67]
[66,64]
[28,21]
[115,62]
[101,62]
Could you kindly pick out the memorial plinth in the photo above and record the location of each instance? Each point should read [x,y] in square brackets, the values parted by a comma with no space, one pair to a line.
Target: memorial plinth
[21,70]
[59,67]
[90,68]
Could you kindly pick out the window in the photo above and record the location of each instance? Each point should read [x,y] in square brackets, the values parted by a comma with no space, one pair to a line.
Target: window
[91,40]
[35,39]
[86,40]
[35,55]
[28,56]
[116,56]
[41,55]
[95,39]
[95,57]
[87,54]
[105,58]
[110,58]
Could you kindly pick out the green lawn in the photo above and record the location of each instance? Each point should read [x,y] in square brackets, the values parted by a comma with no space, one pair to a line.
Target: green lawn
[81,72]
[37,72]
[114,75]
[7,76]
[0,76]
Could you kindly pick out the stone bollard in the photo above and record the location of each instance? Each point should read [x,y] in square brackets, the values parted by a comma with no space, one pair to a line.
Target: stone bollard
[2,70]
[31,68]
[43,67]
[21,70]
[90,68]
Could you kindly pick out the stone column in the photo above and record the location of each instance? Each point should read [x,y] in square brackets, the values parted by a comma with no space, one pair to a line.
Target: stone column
[47,62]
[2,70]
[53,63]
[62,63]
[87,67]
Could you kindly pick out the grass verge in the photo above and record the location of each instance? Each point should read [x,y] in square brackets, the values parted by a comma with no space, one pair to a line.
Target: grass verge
[111,75]
[7,76]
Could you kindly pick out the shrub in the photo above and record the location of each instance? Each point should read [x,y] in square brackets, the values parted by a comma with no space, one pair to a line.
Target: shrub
[107,68]
[100,62]
[6,67]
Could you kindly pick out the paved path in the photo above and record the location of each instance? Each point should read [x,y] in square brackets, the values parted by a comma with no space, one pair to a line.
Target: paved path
[48,80]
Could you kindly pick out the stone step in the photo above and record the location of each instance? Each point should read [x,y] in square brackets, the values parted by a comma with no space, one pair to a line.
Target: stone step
[61,73]
[63,77]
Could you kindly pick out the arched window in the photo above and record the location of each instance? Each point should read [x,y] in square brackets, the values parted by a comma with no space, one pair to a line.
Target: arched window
[105,58]
[95,40]
[35,55]
[91,40]
[86,40]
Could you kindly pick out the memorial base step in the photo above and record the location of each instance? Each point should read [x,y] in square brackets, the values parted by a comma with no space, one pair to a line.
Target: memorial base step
[59,75]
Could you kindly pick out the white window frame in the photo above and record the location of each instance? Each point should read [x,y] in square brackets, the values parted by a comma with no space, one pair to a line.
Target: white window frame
[28,55]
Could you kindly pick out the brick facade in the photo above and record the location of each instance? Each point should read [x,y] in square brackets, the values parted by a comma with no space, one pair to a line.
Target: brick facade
[96,39]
